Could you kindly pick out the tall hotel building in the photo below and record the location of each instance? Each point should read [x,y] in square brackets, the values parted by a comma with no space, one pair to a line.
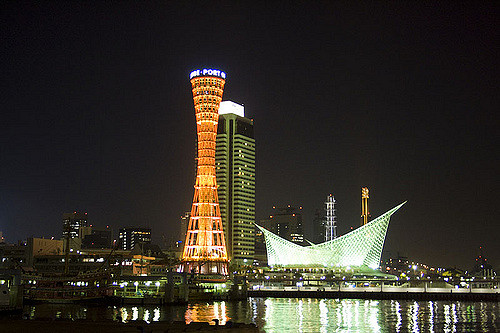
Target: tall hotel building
[235,171]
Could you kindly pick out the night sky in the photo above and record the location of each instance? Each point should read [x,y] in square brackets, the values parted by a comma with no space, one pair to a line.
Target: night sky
[97,114]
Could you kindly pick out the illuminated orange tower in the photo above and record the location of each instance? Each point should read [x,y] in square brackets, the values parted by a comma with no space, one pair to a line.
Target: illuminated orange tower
[205,247]
[364,206]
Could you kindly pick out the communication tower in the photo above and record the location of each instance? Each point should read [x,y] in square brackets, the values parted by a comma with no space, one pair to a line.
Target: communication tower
[205,247]
[330,220]
[364,206]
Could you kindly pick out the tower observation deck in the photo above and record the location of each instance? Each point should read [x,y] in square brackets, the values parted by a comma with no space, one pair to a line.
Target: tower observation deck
[205,246]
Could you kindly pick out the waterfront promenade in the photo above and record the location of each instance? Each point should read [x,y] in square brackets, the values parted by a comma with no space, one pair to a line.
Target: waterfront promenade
[382,292]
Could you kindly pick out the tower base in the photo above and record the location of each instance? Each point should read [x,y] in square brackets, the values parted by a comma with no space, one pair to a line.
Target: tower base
[204,267]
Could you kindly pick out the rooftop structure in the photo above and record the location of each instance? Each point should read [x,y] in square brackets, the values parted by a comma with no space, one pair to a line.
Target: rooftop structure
[230,107]
[361,247]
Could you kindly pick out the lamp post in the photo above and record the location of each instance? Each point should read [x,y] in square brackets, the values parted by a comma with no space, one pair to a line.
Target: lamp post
[157,284]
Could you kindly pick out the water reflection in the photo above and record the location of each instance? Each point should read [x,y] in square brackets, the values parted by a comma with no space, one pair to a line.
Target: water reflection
[378,316]
[413,315]
[220,312]
[124,315]
[323,316]
[373,315]
[156,314]
[135,313]
[431,317]
[300,315]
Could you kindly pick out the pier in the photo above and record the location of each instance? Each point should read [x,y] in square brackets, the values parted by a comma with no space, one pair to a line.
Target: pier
[452,294]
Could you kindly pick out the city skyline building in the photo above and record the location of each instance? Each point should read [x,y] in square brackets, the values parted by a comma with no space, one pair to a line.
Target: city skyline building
[319,229]
[205,246]
[131,236]
[184,226]
[286,222]
[235,170]
[482,268]
[98,239]
[72,224]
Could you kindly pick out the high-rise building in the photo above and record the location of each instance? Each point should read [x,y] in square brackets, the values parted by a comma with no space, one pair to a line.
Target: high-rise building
[72,222]
[286,222]
[235,170]
[130,237]
[205,246]
[482,268]
[318,227]
[98,239]
[260,255]
[184,226]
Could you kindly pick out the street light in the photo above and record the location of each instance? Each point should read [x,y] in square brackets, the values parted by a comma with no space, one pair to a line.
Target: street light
[157,284]
[136,284]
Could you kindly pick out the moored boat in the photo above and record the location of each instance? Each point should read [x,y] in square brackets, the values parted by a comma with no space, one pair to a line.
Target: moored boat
[83,287]
[11,299]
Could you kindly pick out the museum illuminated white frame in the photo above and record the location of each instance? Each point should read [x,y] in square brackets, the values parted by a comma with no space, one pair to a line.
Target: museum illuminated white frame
[360,247]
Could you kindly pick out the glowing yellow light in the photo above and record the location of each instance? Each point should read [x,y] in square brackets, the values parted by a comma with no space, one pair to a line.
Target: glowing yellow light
[364,205]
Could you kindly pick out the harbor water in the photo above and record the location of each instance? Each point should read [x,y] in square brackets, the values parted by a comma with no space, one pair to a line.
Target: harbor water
[298,315]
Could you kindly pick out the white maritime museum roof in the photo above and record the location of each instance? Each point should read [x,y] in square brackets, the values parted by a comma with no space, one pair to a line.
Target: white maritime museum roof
[360,247]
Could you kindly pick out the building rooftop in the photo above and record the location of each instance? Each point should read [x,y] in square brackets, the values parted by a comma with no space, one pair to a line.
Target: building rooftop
[227,107]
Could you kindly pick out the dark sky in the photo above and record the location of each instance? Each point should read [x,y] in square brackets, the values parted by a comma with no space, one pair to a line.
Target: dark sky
[97,113]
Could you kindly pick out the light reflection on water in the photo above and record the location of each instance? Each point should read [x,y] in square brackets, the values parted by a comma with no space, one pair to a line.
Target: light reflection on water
[301,315]
[431,317]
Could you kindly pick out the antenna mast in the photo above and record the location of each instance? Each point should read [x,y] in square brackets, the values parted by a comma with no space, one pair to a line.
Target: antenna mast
[364,206]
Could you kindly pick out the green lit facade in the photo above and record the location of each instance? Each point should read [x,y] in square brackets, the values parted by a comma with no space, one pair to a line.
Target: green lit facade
[360,247]
[235,171]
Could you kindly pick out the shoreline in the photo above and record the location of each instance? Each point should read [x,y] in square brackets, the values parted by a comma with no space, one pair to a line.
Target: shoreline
[378,295]
[75,326]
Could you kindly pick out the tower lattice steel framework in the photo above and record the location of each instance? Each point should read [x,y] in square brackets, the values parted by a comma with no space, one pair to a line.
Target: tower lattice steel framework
[330,223]
[205,247]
